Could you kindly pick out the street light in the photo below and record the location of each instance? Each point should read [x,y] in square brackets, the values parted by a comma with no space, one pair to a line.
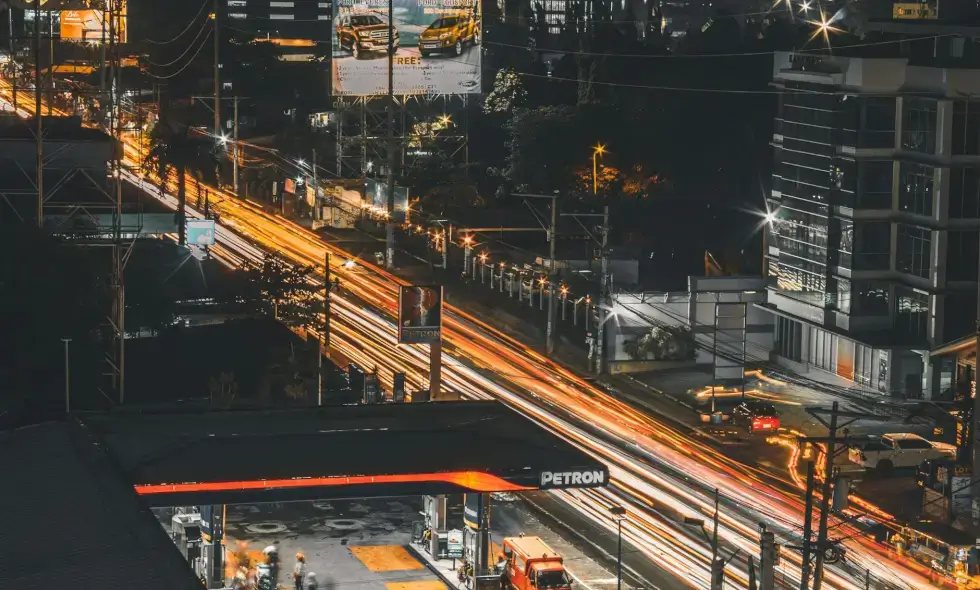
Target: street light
[619,515]
[597,151]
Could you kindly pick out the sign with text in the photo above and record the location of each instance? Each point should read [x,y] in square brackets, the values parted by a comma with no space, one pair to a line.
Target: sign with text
[200,232]
[90,26]
[376,198]
[436,47]
[572,479]
[419,314]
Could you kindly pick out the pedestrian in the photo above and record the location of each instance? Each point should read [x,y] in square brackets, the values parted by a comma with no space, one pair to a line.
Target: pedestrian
[311,583]
[299,571]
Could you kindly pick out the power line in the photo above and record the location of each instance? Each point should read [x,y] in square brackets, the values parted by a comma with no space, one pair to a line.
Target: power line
[180,34]
[181,56]
[711,55]
[189,62]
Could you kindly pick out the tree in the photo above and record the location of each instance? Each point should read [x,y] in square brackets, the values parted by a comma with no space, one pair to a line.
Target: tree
[507,94]
[173,149]
[285,291]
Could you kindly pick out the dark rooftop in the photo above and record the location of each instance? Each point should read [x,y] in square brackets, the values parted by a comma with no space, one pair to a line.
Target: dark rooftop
[389,439]
[70,521]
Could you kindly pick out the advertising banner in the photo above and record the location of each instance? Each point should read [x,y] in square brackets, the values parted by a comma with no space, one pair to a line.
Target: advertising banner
[376,198]
[290,186]
[419,314]
[436,42]
[200,232]
[87,26]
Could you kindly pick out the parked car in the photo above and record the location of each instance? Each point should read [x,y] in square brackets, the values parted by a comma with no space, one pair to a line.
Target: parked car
[363,33]
[899,449]
[449,33]
[756,416]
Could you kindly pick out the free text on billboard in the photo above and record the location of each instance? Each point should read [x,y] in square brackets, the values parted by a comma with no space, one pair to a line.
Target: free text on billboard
[436,47]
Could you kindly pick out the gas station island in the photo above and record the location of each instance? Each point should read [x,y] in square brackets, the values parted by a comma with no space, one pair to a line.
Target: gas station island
[203,462]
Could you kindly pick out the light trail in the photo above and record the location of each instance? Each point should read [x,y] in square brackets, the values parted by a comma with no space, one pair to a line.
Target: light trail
[659,473]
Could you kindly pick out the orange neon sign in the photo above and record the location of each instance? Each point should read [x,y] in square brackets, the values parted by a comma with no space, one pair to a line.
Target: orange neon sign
[476,481]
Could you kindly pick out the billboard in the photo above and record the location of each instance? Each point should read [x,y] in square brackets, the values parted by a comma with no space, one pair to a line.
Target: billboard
[87,26]
[437,47]
[376,199]
[200,232]
[419,314]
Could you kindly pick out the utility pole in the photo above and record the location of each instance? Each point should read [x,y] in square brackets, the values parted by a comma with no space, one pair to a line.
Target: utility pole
[828,477]
[326,329]
[767,559]
[807,526]
[316,193]
[975,424]
[717,565]
[13,61]
[552,266]
[390,168]
[38,125]
[217,73]
[235,139]
[603,294]
[825,552]
[67,376]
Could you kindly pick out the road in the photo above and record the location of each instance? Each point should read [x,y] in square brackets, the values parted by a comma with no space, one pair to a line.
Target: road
[659,473]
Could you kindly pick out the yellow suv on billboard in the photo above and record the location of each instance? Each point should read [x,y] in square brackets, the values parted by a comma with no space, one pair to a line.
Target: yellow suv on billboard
[363,33]
[449,33]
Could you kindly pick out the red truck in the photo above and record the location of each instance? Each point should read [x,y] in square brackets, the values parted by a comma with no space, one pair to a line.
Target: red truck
[532,565]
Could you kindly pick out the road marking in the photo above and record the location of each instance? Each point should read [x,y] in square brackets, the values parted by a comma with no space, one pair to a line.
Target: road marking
[385,558]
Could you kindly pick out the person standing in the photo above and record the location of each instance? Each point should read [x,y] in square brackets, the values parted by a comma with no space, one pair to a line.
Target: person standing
[299,571]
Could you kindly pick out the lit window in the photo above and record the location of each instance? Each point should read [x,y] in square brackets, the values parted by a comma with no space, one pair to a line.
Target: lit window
[281,4]
[237,15]
[281,17]
[237,2]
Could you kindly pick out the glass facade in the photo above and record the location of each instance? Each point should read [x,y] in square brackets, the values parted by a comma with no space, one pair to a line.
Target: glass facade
[916,188]
[914,250]
[806,172]
[964,193]
[912,315]
[919,124]
[966,128]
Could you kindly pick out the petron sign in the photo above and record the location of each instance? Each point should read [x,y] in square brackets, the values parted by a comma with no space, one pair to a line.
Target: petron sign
[559,479]
[436,47]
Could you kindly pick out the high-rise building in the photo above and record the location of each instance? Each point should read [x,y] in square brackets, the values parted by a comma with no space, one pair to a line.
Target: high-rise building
[285,20]
[873,253]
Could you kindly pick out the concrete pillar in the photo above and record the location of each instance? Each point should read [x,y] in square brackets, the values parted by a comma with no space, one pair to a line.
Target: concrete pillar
[437,521]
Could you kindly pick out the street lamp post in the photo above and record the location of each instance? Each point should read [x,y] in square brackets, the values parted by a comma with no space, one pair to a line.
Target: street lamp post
[769,219]
[619,513]
[564,300]
[500,284]
[467,245]
[543,283]
[597,151]
[483,269]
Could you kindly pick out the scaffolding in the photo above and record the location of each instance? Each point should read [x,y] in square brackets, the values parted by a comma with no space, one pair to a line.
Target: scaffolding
[68,182]
[362,132]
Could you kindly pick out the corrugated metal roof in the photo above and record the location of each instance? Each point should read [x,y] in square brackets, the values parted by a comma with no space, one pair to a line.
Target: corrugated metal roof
[70,521]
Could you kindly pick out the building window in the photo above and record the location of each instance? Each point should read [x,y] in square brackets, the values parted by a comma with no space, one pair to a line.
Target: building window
[843,295]
[961,256]
[874,244]
[863,364]
[280,17]
[966,128]
[238,3]
[878,129]
[964,193]
[281,4]
[912,314]
[875,185]
[845,245]
[914,249]
[870,299]
[919,124]
[238,15]
[915,188]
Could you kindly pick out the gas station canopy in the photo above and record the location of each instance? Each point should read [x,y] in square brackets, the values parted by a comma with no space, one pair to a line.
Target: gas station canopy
[332,452]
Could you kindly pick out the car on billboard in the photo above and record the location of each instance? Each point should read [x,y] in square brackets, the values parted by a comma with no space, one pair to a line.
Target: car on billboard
[363,34]
[449,34]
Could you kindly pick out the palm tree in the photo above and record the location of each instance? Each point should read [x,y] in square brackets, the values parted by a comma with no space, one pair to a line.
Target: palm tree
[174,148]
